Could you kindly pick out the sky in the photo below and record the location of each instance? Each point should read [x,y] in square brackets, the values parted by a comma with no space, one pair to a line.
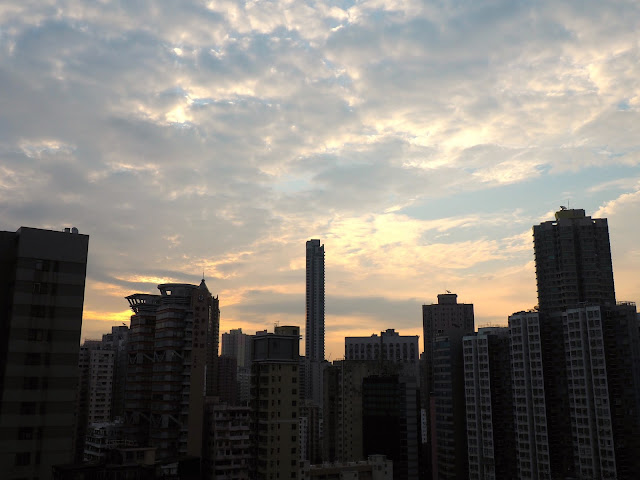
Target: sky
[418,140]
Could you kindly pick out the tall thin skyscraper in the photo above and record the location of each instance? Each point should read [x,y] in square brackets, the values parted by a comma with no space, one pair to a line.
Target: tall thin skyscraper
[573,261]
[42,278]
[314,333]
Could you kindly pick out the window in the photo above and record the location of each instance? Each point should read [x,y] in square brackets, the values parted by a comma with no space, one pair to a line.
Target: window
[23,458]
[25,433]
[35,335]
[30,383]
[28,408]
[32,359]
[38,310]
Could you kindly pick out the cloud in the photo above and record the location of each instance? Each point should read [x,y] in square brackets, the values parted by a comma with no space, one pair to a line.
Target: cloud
[417,140]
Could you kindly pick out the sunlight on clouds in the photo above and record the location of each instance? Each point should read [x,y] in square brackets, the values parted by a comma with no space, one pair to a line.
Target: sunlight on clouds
[510,171]
[392,242]
[46,147]
[178,115]
[111,317]
[155,281]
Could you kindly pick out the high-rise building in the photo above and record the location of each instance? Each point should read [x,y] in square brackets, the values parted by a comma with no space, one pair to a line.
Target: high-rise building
[453,319]
[117,342]
[389,346]
[314,333]
[172,365]
[102,369]
[342,441]
[237,344]
[573,261]
[390,419]
[227,454]
[489,402]
[275,404]
[42,279]
[227,380]
[139,375]
[439,317]
[530,408]
[447,407]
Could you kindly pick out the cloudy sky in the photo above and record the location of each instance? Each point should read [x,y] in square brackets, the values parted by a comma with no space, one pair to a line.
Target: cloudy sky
[419,140]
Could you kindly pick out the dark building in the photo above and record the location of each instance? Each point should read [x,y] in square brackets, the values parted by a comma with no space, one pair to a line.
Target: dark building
[575,362]
[438,319]
[140,352]
[390,419]
[489,403]
[117,342]
[573,261]
[447,407]
[42,280]
[275,409]
[228,380]
[622,355]
[314,332]
[173,349]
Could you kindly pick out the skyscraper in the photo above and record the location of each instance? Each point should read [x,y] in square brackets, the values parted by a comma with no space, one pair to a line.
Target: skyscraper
[314,333]
[444,324]
[42,279]
[274,404]
[390,422]
[573,261]
[489,399]
[172,364]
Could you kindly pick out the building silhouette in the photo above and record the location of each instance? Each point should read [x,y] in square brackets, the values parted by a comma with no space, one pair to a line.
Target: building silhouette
[116,341]
[390,422]
[42,280]
[314,332]
[102,368]
[573,261]
[389,346]
[275,404]
[238,345]
[227,452]
[172,352]
[444,325]
[489,401]
[95,389]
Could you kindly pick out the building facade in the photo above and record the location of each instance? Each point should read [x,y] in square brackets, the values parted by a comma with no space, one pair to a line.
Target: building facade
[238,345]
[227,453]
[375,467]
[42,280]
[389,346]
[573,261]
[275,407]
[314,331]
[441,320]
[390,422]
[489,402]
[172,366]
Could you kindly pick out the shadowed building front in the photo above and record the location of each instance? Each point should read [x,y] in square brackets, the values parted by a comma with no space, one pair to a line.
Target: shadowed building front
[42,279]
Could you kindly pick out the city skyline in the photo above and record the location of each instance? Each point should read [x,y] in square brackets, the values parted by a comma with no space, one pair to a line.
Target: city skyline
[420,142]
